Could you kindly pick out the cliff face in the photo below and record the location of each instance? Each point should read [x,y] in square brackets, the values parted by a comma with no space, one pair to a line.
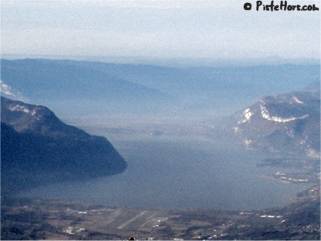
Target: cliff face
[38,148]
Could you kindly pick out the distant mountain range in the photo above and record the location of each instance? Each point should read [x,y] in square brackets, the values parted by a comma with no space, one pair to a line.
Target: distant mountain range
[82,88]
[35,141]
[285,123]
[78,86]
[38,148]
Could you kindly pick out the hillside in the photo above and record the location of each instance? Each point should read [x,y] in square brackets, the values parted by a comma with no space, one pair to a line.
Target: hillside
[38,148]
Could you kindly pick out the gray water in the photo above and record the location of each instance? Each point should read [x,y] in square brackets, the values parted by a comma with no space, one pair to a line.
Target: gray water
[168,173]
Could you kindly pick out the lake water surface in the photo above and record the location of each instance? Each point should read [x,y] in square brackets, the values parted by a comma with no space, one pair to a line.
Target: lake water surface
[172,173]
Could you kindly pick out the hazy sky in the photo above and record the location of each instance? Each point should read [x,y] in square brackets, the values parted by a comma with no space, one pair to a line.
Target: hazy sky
[146,28]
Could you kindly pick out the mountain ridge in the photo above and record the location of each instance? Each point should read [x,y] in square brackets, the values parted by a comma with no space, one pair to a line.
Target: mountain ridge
[37,148]
[287,122]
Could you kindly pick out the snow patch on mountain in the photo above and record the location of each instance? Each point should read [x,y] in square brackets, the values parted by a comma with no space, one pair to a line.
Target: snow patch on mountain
[248,142]
[25,109]
[8,91]
[19,108]
[247,114]
[297,100]
[267,116]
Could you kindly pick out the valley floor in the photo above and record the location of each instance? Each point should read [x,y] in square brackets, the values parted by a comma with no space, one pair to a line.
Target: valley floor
[54,219]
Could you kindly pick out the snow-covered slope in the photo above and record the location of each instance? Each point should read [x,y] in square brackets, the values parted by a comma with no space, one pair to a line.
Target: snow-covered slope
[282,123]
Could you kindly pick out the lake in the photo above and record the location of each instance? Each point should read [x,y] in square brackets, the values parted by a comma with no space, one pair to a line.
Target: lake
[171,173]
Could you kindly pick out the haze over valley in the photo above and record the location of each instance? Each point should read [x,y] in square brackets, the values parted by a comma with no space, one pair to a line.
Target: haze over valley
[159,120]
[181,144]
